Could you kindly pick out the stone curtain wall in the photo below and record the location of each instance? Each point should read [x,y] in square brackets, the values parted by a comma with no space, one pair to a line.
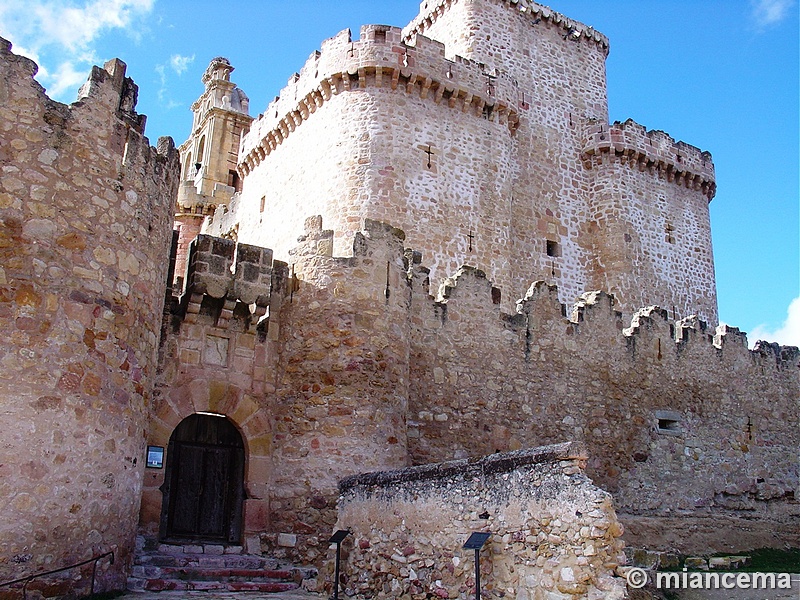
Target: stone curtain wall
[692,432]
[681,424]
[553,533]
[85,221]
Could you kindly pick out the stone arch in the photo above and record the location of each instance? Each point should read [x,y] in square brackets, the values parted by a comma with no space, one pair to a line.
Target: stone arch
[201,149]
[211,395]
[188,166]
[203,490]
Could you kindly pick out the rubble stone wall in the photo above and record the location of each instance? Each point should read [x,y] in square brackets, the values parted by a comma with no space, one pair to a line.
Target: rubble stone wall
[362,368]
[85,230]
[552,531]
[678,420]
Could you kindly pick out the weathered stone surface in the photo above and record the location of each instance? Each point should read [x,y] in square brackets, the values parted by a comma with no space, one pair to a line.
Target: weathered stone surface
[408,528]
[357,378]
[501,169]
[85,221]
[487,141]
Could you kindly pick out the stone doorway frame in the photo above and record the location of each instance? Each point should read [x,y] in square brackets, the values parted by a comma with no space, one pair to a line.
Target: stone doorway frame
[221,466]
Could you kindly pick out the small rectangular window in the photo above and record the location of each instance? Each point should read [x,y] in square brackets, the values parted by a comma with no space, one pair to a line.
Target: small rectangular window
[668,422]
[263,202]
[234,181]
[553,248]
[669,425]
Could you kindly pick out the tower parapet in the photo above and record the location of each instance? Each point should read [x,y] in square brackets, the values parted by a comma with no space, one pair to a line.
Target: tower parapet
[652,151]
[481,129]
[382,59]
[431,10]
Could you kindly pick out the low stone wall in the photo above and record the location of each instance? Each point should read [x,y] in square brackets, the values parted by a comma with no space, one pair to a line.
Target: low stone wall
[553,533]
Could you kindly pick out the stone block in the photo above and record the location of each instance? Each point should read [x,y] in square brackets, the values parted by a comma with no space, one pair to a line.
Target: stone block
[252,544]
[739,562]
[669,561]
[719,563]
[696,563]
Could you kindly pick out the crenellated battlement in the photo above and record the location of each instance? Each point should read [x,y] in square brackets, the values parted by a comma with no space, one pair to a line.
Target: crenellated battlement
[431,10]
[470,285]
[652,151]
[237,276]
[381,59]
[352,357]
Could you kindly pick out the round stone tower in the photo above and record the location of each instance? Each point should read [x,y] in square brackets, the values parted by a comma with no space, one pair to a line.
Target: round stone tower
[85,229]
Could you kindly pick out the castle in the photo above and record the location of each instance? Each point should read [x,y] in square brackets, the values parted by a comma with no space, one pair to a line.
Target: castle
[395,264]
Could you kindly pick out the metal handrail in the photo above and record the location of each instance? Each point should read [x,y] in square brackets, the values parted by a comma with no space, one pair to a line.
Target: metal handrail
[30,578]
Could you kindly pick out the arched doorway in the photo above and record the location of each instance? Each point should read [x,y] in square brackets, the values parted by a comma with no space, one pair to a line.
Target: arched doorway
[203,487]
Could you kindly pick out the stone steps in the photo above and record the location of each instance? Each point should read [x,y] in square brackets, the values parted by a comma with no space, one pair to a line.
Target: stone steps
[211,568]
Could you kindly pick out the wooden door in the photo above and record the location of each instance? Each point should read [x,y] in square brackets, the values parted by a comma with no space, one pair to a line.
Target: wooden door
[204,487]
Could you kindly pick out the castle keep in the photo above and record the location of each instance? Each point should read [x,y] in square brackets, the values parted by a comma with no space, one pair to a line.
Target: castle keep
[510,164]
[431,247]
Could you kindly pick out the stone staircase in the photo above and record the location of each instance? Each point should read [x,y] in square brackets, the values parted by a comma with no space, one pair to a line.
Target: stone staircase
[211,567]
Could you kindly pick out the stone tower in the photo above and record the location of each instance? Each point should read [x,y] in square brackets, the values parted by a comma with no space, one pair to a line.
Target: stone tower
[85,221]
[209,157]
[620,208]
[481,130]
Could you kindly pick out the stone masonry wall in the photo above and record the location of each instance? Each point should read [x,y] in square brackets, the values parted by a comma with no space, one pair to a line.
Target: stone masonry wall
[650,221]
[220,357]
[679,422]
[85,229]
[316,381]
[347,133]
[559,65]
[346,143]
[342,380]
[553,533]
[364,368]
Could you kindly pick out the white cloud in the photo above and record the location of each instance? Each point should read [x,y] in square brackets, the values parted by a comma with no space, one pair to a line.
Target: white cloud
[787,334]
[65,80]
[60,34]
[770,12]
[180,63]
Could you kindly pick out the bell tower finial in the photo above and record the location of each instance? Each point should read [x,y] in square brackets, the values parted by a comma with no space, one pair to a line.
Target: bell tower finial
[209,157]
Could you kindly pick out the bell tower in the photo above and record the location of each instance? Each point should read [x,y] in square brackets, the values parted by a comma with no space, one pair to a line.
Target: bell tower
[208,158]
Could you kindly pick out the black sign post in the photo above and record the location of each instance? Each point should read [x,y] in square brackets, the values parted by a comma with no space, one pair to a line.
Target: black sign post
[337,538]
[475,542]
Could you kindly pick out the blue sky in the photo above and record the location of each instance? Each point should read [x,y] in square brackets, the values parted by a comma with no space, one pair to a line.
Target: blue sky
[719,74]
